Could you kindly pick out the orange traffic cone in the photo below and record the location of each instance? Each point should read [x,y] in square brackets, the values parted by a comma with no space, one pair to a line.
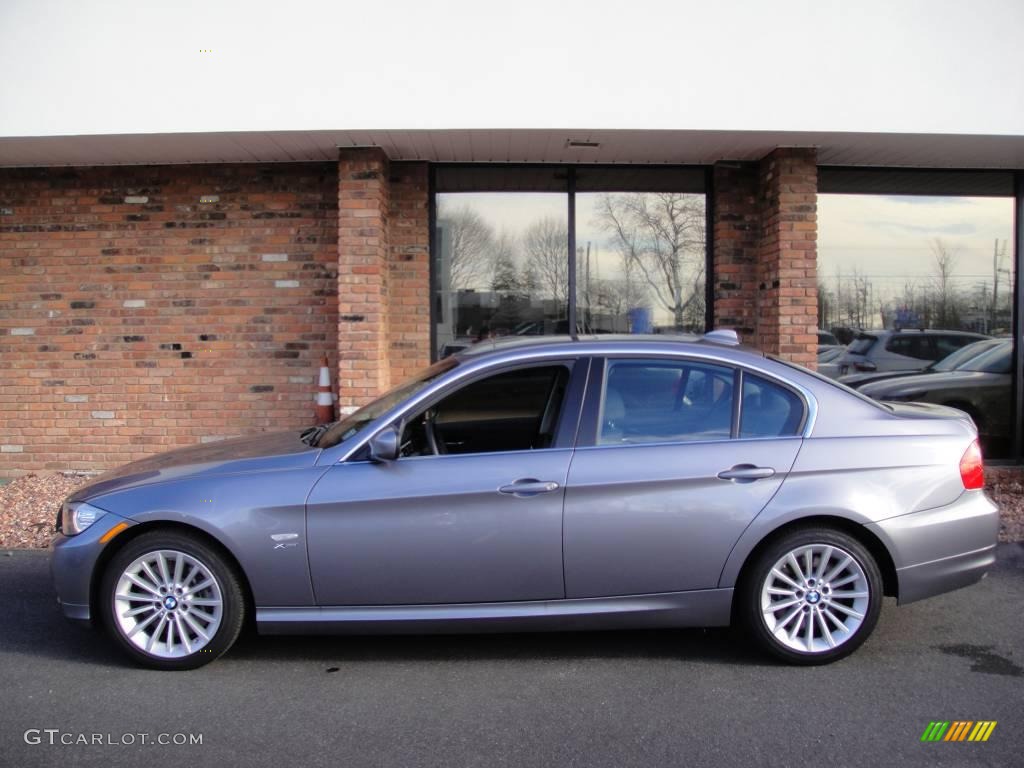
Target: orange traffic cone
[324,396]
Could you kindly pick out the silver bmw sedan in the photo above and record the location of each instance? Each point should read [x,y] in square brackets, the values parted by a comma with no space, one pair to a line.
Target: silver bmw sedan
[551,484]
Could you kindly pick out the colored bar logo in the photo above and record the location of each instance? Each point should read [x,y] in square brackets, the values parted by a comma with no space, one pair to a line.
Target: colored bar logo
[958,730]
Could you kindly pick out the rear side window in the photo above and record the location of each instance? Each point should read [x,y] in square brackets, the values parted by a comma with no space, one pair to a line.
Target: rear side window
[916,346]
[658,402]
[768,410]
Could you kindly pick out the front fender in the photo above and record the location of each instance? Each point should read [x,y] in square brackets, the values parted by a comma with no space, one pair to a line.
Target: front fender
[243,513]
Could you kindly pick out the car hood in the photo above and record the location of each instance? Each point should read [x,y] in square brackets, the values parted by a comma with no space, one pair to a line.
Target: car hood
[269,451]
[928,382]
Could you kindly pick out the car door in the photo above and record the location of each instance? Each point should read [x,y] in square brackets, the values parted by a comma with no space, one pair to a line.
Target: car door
[671,467]
[477,520]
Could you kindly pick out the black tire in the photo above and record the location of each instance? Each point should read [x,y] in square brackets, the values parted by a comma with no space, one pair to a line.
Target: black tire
[227,580]
[749,597]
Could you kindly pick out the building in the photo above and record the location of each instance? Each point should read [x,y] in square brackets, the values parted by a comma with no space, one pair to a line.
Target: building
[160,288]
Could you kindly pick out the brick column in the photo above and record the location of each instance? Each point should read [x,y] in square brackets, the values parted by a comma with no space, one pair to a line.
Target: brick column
[363,214]
[737,238]
[765,252]
[409,271]
[787,301]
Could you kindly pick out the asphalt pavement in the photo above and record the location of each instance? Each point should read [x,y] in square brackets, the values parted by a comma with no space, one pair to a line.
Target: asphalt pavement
[666,698]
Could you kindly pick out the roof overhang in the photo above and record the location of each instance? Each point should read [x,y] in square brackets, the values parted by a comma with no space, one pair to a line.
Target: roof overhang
[697,147]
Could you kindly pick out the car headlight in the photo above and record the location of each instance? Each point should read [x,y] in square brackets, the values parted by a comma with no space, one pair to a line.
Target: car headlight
[76,516]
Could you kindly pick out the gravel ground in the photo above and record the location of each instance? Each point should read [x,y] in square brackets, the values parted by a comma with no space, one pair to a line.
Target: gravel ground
[28,505]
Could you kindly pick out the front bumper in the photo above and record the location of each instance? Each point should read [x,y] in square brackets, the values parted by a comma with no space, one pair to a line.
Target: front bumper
[942,549]
[72,562]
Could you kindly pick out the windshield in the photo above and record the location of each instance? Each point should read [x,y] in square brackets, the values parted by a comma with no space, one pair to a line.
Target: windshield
[961,356]
[331,434]
[999,359]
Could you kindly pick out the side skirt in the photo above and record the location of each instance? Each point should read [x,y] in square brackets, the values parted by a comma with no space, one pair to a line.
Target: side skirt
[698,608]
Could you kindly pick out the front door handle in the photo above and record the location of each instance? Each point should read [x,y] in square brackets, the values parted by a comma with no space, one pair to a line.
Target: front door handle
[746,473]
[528,487]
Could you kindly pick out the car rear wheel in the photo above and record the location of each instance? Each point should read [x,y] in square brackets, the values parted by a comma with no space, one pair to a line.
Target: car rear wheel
[170,601]
[812,596]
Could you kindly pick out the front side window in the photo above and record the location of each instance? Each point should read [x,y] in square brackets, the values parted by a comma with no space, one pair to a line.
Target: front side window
[516,410]
[660,402]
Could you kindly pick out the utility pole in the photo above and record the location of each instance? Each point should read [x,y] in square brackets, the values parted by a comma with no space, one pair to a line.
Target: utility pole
[995,283]
[590,311]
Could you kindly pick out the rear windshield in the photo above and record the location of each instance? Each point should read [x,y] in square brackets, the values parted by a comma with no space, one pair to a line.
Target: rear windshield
[861,344]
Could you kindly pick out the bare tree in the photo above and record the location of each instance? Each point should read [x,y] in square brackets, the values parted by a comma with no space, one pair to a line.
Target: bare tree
[661,234]
[471,242]
[546,245]
[947,314]
[504,270]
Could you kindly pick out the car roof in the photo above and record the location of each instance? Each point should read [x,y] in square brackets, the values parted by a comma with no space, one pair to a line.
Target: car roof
[597,344]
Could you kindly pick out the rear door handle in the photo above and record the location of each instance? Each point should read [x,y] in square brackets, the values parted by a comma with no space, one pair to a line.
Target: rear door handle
[528,487]
[746,473]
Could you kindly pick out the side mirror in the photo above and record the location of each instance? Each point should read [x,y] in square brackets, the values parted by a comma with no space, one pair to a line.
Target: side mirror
[384,445]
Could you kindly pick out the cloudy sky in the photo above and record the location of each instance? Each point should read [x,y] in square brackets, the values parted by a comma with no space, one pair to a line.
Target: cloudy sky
[122,66]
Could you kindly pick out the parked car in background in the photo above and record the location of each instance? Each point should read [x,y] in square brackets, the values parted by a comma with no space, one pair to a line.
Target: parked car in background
[828,361]
[556,484]
[826,339]
[980,387]
[949,363]
[906,350]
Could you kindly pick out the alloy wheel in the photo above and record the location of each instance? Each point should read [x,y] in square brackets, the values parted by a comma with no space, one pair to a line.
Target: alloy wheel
[815,598]
[168,604]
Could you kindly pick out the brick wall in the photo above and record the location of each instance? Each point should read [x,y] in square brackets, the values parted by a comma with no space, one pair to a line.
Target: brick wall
[135,318]
[137,315]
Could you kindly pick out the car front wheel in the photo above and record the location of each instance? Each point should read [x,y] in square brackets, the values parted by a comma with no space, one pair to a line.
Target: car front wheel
[170,601]
[812,596]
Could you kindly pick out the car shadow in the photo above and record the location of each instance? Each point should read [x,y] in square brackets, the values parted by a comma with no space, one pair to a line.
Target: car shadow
[717,645]
[52,637]
[34,627]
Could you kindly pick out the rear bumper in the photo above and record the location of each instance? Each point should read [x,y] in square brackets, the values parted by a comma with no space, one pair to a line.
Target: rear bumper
[939,550]
[927,579]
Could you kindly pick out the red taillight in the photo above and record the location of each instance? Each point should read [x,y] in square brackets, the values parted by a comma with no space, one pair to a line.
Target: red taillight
[972,468]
